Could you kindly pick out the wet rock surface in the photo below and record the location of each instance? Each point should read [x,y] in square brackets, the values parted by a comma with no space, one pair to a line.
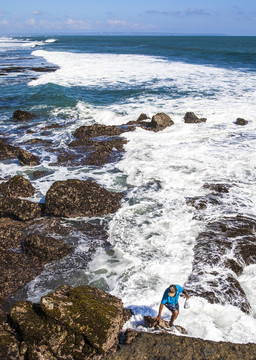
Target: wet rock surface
[221,252]
[70,323]
[164,346]
[8,151]
[27,159]
[96,130]
[19,209]
[20,115]
[76,198]
[240,121]
[17,186]
[25,247]
[45,248]
[191,118]
[160,121]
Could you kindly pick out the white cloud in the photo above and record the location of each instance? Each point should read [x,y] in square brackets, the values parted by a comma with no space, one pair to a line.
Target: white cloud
[4,22]
[126,24]
[31,22]
[77,24]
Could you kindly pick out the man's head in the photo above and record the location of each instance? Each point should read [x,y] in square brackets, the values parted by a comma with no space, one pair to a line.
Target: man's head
[172,291]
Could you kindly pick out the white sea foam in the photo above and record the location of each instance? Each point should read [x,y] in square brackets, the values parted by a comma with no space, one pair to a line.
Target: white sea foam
[50,40]
[154,232]
[7,43]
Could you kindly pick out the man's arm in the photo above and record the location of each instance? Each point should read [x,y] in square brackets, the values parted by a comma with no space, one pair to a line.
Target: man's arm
[186,294]
[160,312]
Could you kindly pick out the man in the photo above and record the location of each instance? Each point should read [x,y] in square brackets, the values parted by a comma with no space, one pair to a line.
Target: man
[170,300]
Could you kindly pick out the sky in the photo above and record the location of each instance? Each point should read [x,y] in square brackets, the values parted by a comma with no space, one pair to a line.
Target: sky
[68,17]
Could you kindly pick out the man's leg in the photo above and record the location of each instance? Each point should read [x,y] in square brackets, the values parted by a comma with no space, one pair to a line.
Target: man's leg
[175,314]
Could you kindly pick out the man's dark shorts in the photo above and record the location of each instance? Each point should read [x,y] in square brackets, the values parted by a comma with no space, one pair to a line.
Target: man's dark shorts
[172,307]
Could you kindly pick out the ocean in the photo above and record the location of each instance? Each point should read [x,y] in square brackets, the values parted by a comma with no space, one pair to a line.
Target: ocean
[111,80]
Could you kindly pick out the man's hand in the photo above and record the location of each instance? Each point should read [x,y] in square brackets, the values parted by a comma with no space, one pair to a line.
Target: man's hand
[187,304]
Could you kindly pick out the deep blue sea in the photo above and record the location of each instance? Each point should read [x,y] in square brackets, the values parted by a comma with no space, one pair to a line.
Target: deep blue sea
[111,80]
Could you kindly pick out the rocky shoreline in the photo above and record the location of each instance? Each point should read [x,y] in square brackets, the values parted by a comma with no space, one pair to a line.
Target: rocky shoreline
[32,235]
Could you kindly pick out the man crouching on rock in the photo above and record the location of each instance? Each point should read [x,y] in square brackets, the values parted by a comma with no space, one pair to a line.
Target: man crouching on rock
[170,300]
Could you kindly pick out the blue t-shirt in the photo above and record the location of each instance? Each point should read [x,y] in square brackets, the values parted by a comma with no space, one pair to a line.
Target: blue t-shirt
[171,300]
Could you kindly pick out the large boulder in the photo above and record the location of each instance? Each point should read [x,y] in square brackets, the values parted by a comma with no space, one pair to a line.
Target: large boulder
[160,121]
[76,198]
[20,115]
[17,186]
[19,209]
[191,118]
[27,159]
[70,323]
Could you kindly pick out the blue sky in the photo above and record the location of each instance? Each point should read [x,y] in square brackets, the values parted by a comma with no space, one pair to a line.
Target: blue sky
[231,17]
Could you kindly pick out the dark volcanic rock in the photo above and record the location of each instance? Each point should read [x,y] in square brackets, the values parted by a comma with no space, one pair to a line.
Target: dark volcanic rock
[40,173]
[218,188]
[17,267]
[19,209]
[17,186]
[74,198]
[142,117]
[52,126]
[45,248]
[98,152]
[220,254]
[39,141]
[27,159]
[8,151]
[201,202]
[70,323]
[96,130]
[240,121]
[20,115]
[160,121]
[164,346]
[191,118]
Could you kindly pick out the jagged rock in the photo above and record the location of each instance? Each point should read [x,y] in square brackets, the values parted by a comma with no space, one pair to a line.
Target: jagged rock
[142,117]
[40,173]
[20,115]
[218,188]
[19,209]
[240,121]
[17,186]
[70,323]
[46,248]
[165,346]
[27,159]
[74,198]
[52,126]
[160,121]
[99,130]
[201,202]
[191,118]
[162,325]
[221,252]
[9,344]
[39,141]
[8,151]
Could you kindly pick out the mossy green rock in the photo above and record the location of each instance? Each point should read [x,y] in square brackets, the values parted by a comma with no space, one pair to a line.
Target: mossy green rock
[96,315]
[70,323]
